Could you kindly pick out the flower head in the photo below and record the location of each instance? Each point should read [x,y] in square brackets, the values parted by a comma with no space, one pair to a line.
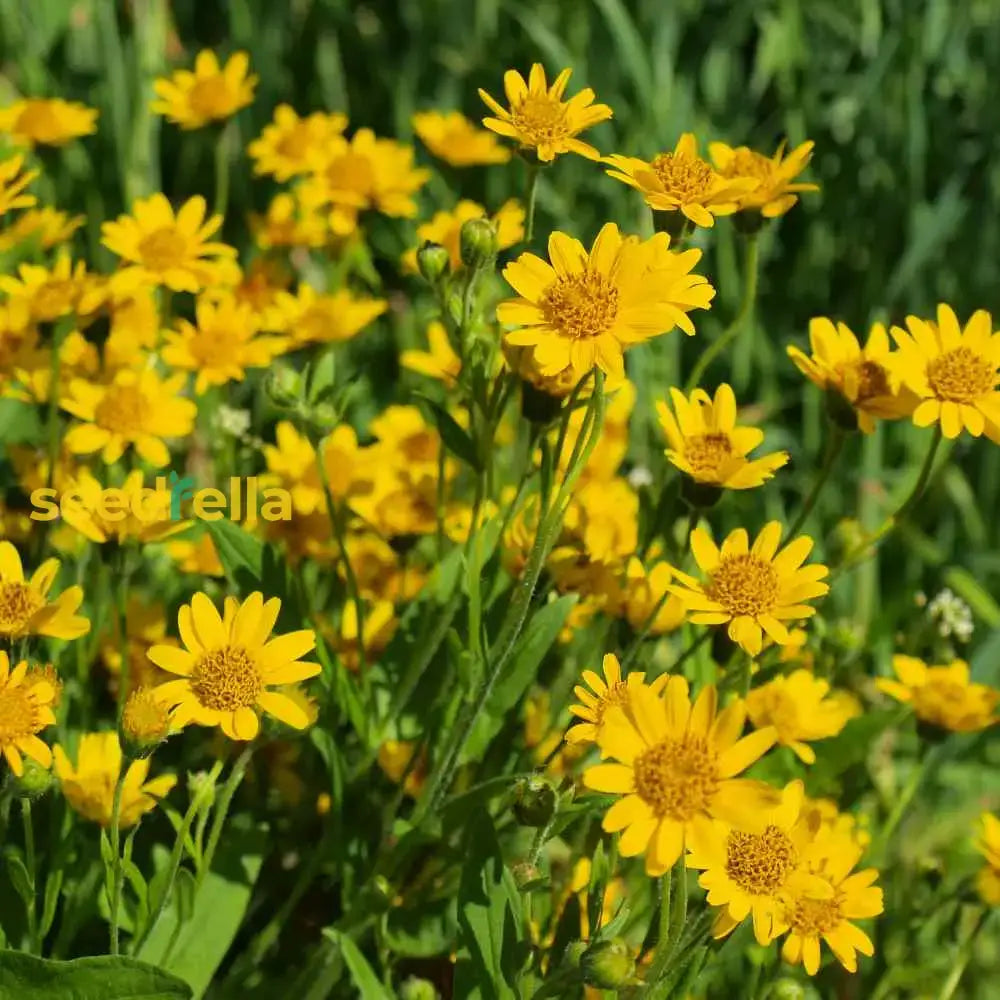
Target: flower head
[681,181]
[229,663]
[988,844]
[586,308]
[25,710]
[47,121]
[12,184]
[440,362]
[287,147]
[540,120]
[145,721]
[706,443]
[647,594]
[159,247]
[775,191]
[312,317]
[942,695]
[952,371]
[451,137]
[145,626]
[210,94]
[751,589]
[861,375]
[380,624]
[199,557]
[48,294]
[89,785]
[445,228]
[47,226]
[801,708]
[289,222]
[136,408]
[677,767]
[25,607]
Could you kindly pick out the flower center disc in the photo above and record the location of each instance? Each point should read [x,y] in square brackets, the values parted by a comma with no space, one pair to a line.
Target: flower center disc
[352,172]
[123,409]
[540,118]
[744,585]
[215,347]
[18,717]
[685,177]
[707,452]
[961,375]
[872,381]
[813,917]
[226,679]
[581,305]
[18,602]
[162,249]
[760,862]
[210,98]
[678,778]
[53,299]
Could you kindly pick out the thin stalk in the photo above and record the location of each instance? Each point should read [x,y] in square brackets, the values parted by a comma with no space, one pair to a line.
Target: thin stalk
[222,144]
[222,810]
[31,905]
[902,803]
[739,320]
[833,450]
[963,958]
[117,875]
[125,670]
[529,219]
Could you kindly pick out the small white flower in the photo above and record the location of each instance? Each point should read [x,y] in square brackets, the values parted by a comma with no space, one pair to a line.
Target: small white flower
[229,420]
[640,476]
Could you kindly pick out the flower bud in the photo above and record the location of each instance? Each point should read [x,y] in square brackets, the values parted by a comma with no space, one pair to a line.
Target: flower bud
[608,965]
[534,801]
[573,955]
[433,262]
[748,221]
[477,243]
[145,723]
[33,782]
[840,411]
[674,224]
[788,989]
[417,989]
[701,496]
[283,386]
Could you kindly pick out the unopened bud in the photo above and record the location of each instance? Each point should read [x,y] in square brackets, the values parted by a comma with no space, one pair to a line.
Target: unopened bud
[33,782]
[478,243]
[283,386]
[700,496]
[608,965]
[418,989]
[534,801]
[433,262]
[145,723]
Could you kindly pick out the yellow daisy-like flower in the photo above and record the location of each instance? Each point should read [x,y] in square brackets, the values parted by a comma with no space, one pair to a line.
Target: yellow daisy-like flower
[451,137]
[25,606]
[47,294]
[801,708]
[706,443]
[810,920]
[89,785]
[380,624]
[289,223]
[25,710]
[644,590]
[440,361]
[446,229]
[861,375]
[612,690]
[585,309]
[988,844]
[942,695]
[135,409]
[12,184]
[159,247]
[146,722]
[540,120]
[952,371]
[775,192]
[752,590]
[47,121]
[677,770]
[199,557]
[210,94]
[681,181]
[287,147]
[224,343]
[747,871]
[47,226]
[77,358]
[228,664]
[312,317]
[145,626]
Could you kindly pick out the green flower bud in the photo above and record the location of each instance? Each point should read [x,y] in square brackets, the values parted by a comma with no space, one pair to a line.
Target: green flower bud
[608,965]
[145,723]
[534,801]
[749,221]
[433,262]
[417,989]
[787,989]
[840,411]
[675,224]
[34,782]
[701,496]
[573,955]
[477,243]
[283,386]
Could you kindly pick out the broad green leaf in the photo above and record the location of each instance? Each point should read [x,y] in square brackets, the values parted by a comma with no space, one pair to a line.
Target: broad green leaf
[24,977]
[364,977]
[456,440]
[241,554]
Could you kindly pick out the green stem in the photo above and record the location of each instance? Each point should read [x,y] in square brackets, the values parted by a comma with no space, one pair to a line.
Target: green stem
[34,945]
[902,803]
[529,218]
[222,170]
[963,958]
[673,915]
[116,854]
[222,810]
[746,308]
[125,670]
[833,450]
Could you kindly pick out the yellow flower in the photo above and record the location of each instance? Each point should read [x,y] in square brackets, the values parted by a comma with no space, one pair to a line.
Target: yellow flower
[951,371]
[801,708]
[644,590]
[145,626]
[440,362]
[752,590]
[829,822]
[25,607]
[262,281]
[289,223]
[396,758]
[774,193]
[677,770]
[287,147]
[77,357]
[136,408]
[227,666]
[47,295]
[380,624]
[310,317]
[588,308]
[942,695]
[47,226]
[223,344]
[540,120]
[12,184]
[25,710]
[210,94]
[988,844]
[134,332]
[158,247]
[810,920]
[706,443]
[378,570]
[682,181]
[89,785]
[46,673]
[41,121]
[612,690]
[145,722]
[860,374]
[451,137]
[446,229]
[198,557]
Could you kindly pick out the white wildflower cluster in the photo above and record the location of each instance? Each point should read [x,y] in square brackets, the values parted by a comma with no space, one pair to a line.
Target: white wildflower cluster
[949,613]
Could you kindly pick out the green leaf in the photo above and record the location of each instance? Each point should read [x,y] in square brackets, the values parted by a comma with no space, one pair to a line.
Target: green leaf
[241,554]
[105,978]
[19,876]
[456,440]
[969,589]
[321,377]
[53,886]
[422,931]
[367,982]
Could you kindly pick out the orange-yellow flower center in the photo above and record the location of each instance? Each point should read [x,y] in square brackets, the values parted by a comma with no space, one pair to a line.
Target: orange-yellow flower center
[540,119]
[617,694]
[678,778]
[706,453]
[744,585]
[124,409]
[747,163]
[294,144]
[961,375]
[53,299]
[210,97]
[50,676]
[39,121]
[759,863]
[873,381]
[352,173]
[18,714]
[145,720]
[163,248]
[814,917]
[226,679]
[686,178]
[18,603]
[580,305]
[216,346]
